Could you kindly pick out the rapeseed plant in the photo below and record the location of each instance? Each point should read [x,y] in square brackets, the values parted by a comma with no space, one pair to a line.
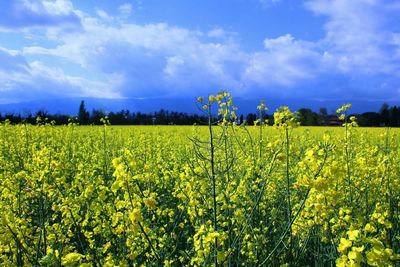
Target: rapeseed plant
[221,194]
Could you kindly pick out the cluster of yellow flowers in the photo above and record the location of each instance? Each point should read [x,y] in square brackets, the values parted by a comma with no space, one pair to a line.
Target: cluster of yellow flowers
[224,195]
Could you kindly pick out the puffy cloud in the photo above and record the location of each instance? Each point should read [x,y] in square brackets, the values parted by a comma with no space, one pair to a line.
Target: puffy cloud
[23,80]
[284,62]
[358,54]
[357,35]
[12,62]
[102,14]
[125,9]
[149,59]
[20,14]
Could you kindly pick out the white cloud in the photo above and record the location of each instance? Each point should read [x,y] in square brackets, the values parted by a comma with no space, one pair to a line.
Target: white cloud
[24,14]
[58,7]
[75,85]
[356,34]
[138,60]
[102,14]
[284,62]
[125,9]
[148,56]
[217,33]
[12,62]
[173,64]
[35,80]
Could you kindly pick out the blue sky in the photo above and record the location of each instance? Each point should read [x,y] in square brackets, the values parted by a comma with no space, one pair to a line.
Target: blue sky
[314,50]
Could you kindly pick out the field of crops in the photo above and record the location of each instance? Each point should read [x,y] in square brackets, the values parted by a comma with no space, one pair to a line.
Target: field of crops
[198,196]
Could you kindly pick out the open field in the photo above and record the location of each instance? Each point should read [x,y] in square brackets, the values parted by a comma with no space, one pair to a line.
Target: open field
[168,195]
[158,133]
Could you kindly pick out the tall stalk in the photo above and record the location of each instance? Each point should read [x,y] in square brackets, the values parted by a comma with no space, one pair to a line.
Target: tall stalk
[212,150]
[343,116]
[348,158]
[288,192]
[260,135]
[286,120]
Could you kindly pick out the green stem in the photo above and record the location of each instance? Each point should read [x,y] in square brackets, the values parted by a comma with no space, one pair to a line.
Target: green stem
[348,159]
[288,192]
[213,182]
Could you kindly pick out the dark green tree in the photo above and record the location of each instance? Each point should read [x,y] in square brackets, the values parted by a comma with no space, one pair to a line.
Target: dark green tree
[83,114]
[384,112]
[251,118]
[322,115]
[97,115]
[394,116]
[307,117]
[369,119]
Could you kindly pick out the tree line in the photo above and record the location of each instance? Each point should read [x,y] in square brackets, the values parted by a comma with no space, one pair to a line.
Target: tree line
[387,116]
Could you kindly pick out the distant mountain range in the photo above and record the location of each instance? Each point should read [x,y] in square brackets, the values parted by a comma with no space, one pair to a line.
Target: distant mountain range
[70,106]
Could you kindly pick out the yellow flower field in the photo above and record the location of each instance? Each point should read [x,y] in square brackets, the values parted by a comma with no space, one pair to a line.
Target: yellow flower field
[224,195]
